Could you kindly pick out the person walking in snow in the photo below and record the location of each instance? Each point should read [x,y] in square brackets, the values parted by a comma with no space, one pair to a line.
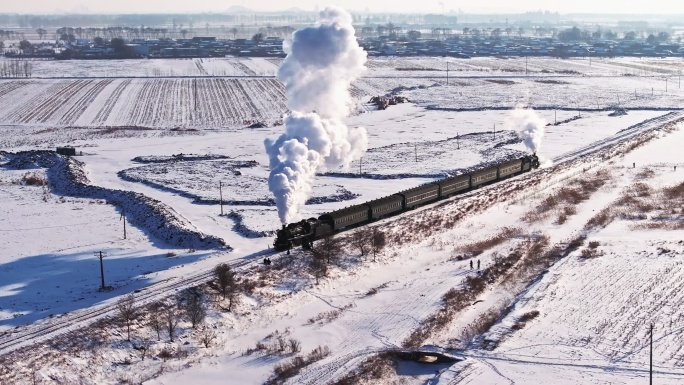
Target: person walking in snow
[478,264]
[471,264]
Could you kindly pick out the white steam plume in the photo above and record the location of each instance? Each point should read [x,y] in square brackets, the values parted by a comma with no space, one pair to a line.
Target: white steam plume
[321,63]
[529,126]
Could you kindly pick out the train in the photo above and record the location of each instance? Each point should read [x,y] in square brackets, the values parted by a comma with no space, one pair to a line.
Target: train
[304,232]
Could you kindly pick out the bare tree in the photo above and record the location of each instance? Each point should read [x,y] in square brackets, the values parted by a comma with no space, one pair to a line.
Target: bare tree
[234,31]
[207,336]
[318,267]
[328,249]
[143,347]
[127,311]
[360,240]
[170,318]
[377,241]
[191,303]
[295,345]
[156,320]
[258,38]
[227,284]
[25,46]
[224,278]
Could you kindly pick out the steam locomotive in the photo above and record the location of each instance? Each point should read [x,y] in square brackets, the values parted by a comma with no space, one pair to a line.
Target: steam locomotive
[306,231]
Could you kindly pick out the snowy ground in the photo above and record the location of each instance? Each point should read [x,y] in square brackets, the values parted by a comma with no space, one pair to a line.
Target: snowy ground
[589,329]
[235,93]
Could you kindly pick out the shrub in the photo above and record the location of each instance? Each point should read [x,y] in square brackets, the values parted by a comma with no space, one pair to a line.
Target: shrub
[530,315]
[33,179]
[295,346]
[165,354]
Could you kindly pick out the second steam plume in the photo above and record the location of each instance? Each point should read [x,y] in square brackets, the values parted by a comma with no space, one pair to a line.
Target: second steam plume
[529,126]
[321,63]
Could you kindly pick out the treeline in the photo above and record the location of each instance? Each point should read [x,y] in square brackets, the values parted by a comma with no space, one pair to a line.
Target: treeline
[16,68]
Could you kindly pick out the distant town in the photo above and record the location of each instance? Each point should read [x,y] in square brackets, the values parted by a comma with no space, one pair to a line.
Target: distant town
[242,32]
[387,41]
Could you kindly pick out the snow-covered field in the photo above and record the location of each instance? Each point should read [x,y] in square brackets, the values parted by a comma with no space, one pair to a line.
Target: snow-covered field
[594,311]
[244,91]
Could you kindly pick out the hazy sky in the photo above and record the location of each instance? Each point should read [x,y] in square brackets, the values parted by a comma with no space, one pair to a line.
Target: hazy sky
[490,6]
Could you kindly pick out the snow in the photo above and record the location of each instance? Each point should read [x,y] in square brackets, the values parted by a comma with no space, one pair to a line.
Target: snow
[593,312]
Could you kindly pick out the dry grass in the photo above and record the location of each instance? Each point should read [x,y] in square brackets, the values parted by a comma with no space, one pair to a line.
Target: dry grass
[374,290]
[477,248]
[33,179]
[329,316]
[646,173]
[290,368]
[564,200]
[481,324]
[524,262]
[524,319]
[370,371]
[602,219]
[639,202]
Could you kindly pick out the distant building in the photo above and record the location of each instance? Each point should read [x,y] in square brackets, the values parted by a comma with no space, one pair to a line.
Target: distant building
[68,151]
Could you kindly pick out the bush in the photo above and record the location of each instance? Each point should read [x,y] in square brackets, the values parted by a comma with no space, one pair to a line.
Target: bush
[530,315]
[288,369]
[33,179]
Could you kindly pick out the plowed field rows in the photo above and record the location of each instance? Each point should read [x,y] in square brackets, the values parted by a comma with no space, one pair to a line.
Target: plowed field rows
[153,102]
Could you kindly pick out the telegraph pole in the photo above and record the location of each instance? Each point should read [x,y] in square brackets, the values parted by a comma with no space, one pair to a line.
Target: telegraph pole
[194,86]
[123,217]
[458,145]
[360,160]
[447,73]
[221,196]
[494,131]
[650,371]
[416,152]
[101,255]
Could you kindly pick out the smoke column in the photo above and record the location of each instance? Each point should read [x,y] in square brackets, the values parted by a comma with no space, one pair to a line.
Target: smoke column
[321,63]
[529,126]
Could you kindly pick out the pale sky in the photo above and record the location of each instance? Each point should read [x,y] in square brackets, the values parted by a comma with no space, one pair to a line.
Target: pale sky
[480,6]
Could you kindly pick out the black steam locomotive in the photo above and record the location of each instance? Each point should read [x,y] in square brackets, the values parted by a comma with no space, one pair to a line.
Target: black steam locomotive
[306,231]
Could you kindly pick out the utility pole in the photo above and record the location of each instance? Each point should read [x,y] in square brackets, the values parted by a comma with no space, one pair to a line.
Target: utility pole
[101,255]
[458,144]
[194,86]
[665,84]
[650,371]
[555,121]
[494,131]
[360,160]
[525,65]
[447,73]
[416,152]
[221,196]
[123,216]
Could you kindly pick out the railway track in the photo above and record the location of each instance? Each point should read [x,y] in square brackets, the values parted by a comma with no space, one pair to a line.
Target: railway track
[622,135]
[23,336]
[44,330]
